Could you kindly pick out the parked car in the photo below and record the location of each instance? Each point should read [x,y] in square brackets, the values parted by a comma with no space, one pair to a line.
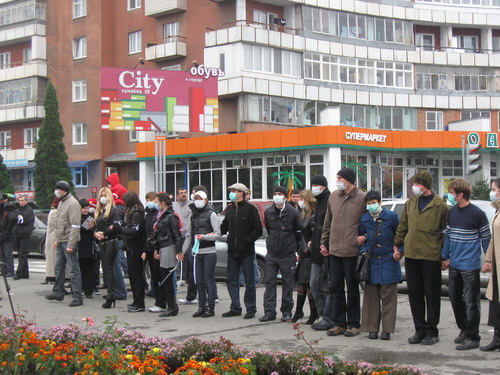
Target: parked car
[36,242]
[398,206]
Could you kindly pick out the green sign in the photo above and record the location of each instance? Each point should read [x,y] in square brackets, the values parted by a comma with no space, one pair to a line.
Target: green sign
[473,138]
[492,140]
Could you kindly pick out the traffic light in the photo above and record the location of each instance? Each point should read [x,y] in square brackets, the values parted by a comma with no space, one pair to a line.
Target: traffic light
[473,158]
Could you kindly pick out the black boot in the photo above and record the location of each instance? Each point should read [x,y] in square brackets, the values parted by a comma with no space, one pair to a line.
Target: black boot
[199,313]
[209,311]
[494,344]
[299,313]
[171,311]
[314,311]
[109,302]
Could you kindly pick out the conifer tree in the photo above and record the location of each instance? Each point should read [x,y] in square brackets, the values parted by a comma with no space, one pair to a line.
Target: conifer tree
[51,158]
[6,185]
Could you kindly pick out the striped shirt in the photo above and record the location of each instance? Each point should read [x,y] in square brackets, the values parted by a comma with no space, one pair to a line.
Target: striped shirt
[467,233]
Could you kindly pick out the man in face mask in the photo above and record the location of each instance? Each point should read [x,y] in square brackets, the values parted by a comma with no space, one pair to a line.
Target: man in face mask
[421,229]
[284,236]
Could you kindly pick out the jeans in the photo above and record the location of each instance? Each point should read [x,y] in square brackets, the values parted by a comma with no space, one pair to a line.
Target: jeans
[21,245]
[286,266]
[123,258]
[205,279]
[109,259]
[324,301]
[6,249]
[241,277]
[75,277]
[136,275]
[346,314]
[423,278]
[247,265]
[465,298]
[120,289]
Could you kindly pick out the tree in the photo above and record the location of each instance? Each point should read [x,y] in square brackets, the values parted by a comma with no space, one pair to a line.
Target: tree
[6,185]
[289,177]
[481,189]
[51,158]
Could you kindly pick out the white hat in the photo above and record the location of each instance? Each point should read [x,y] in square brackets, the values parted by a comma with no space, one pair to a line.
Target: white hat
[201,194]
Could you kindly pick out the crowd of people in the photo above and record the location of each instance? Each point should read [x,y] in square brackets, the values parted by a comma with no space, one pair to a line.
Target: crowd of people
[314,239]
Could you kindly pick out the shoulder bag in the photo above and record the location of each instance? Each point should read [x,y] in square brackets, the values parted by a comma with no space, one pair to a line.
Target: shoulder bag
[362,270]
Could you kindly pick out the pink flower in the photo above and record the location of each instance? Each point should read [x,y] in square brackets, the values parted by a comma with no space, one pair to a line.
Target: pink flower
[89,320]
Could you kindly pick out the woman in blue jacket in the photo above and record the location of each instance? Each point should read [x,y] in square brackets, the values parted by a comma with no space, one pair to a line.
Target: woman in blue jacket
[379,226]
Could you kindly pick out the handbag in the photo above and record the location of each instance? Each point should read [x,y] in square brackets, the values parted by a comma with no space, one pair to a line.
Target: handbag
[324,277]
[153,241]
[362,270]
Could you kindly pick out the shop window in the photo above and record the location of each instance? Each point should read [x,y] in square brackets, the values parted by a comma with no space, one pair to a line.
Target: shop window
[493,169]
[79,176]
[452,168]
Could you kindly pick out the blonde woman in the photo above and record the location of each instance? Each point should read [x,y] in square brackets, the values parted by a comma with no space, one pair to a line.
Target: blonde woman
[105,214]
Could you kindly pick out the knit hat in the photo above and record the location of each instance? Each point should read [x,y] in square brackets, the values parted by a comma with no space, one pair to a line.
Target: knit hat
[423,178]
[347,174]
[62,185]
[279,189]
[238,186]
[92,202]
[83,202]
[319,180]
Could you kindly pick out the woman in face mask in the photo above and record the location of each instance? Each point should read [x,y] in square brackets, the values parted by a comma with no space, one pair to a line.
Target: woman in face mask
[492,264]
[379,226]
[105,215]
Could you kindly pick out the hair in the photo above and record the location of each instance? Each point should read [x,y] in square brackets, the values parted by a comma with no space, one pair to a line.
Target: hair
[294,191]
[459,185]
[131,200]
[179,189]
[150,196]
[200,188]
[373,194]
[109,206]
[496,181]
[310,202]
[164,197]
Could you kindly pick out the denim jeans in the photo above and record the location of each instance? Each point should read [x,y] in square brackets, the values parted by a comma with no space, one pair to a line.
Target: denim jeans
[75,277]
[120,289]
[286,266]
[465,298]
[6,249]
[247,265]
[324,301]
[204,265]
[123,258]
[241,277]
[346,313]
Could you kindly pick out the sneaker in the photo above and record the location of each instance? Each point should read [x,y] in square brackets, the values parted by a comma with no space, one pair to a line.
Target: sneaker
[156,309]
[75,303]
[336,331]
[467,345]
[181,283]
[430,340]
[460,338]
[351,332]
[321,326]
[96,291]
[133,309]
[185,301]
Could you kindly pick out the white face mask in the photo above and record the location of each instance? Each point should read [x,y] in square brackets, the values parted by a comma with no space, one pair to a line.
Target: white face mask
[493,196]
[57,193]
[199,203]
[192,197]
[316,190]
[91,210]
[302,204]
[279,199]
[103,200]
[416,190]
[341,186]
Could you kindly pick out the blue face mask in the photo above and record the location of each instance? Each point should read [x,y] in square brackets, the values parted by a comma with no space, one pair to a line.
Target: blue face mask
[373,208]
[451,199]
[232,196]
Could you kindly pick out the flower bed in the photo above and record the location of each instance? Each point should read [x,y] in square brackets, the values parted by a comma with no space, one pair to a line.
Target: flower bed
[26,349]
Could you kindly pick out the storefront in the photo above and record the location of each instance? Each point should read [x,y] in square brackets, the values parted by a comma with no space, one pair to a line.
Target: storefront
[384,160]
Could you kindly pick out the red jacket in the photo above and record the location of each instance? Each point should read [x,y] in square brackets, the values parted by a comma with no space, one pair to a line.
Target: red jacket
[116,187]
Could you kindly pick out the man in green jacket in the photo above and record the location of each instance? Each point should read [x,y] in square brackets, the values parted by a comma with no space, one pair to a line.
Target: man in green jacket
[421,231]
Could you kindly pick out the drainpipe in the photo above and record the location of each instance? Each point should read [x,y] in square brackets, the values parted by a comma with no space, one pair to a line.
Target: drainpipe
[186,174]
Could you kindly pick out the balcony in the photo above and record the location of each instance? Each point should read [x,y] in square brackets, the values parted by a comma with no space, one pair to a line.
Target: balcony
[166,49]
[22,112]
[157,8]
[24,69]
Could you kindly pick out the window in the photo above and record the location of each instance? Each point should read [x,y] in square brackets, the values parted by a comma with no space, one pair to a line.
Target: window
[434,120]
[79,48]
[170,31]
[30,137]
[80,90]
[5,60]
[264,19]
[272,60]
[5,140]
[79,8]
[135,42]
[27,54]
[425,41]
[134,4]
[468,43]
[176,68]
[474,114]
[133,136]
[80,176]
[80,134]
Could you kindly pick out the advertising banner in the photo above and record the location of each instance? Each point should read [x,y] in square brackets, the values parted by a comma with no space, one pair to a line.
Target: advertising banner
[160,100]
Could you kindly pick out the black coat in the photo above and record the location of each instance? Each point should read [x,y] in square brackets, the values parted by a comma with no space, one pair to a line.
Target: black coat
[149,221]
[133,229]
[8,220]
[319,212]
[25,228]
[168,230]
[283,229]
[103,224]
[85,245]
[244,226]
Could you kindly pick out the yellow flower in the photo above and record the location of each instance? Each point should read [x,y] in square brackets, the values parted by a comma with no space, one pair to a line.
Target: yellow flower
[156,350]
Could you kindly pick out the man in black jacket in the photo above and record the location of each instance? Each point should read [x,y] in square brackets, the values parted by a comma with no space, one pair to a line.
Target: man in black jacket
[22,233]
[242,221]
[319,188]
[284,237]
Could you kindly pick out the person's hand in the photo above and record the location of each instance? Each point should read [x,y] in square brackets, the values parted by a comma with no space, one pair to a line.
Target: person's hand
[323,250]
[54,246]
[157,255]
[445,264]
[199,236]
[309,244]
[179,256]
[397,256]
[143,256]
[486,267]
[69,250]
[361,240]
[91,224]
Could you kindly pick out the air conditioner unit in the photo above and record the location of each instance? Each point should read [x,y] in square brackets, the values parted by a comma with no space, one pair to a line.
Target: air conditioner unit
[111,170]
[239,162]
[279,159]
[295,159]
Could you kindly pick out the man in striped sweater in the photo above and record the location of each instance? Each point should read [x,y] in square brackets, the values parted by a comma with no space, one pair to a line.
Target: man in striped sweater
[467,233]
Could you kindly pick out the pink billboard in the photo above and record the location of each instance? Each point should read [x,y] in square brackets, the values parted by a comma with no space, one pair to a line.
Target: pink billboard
[160,100]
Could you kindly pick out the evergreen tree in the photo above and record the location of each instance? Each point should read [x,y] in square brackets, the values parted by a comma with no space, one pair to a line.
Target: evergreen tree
[481,189]
[6,185]
[51,158]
